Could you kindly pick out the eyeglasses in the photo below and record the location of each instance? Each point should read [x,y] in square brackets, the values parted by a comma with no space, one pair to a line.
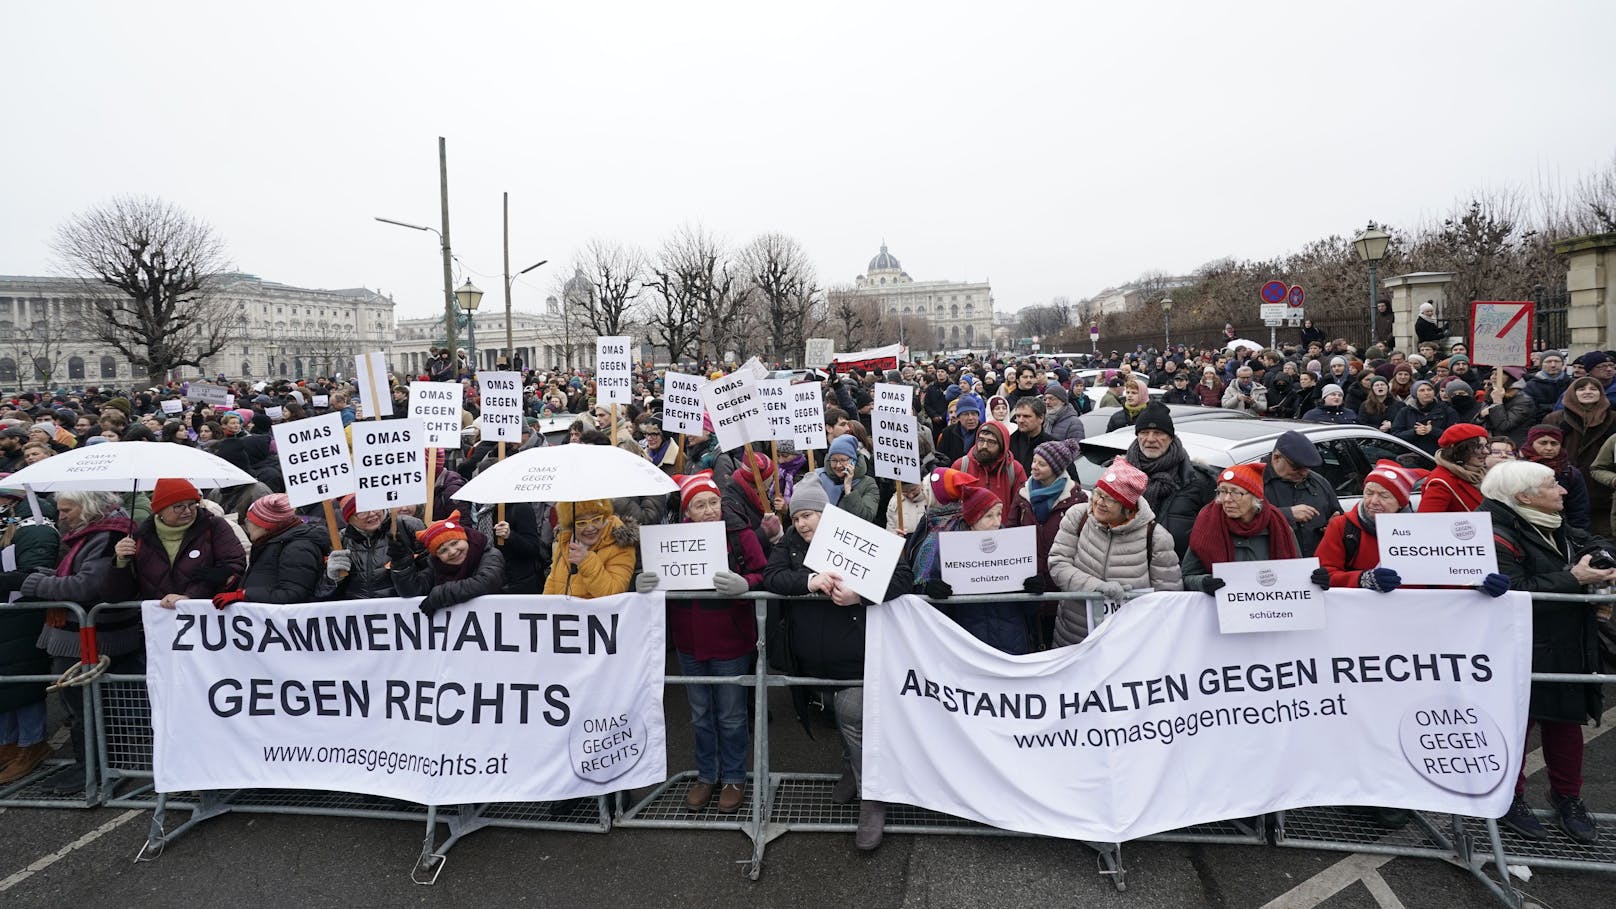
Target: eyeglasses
[185,506]
[1232,493]
[592,523]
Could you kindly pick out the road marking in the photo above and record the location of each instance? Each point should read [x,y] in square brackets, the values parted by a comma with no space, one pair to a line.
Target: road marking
[69,849]
[1381,891]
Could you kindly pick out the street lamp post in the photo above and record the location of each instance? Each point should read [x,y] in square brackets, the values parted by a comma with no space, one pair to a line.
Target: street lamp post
[510,346]
[1167,322]
[1371,246]
[469,297]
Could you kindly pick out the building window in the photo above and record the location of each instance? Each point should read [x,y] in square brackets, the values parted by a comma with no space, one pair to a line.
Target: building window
[109,368]
[246,368]
[8,369]
[75,367]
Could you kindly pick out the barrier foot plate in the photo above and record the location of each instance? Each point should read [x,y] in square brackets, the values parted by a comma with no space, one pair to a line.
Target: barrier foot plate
[427,868]
[210,804]
[1109,859]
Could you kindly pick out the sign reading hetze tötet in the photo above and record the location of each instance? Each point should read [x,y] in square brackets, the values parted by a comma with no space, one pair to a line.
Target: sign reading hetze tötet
[684,556]
[862,554]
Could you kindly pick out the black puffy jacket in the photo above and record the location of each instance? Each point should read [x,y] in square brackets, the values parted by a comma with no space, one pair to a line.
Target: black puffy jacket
[287,567]
[817,638]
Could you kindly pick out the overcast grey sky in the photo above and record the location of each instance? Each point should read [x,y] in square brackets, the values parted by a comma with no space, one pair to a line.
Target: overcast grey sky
[1052,148]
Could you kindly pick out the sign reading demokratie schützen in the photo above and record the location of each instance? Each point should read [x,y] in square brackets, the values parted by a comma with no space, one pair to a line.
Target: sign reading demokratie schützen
[1270,595]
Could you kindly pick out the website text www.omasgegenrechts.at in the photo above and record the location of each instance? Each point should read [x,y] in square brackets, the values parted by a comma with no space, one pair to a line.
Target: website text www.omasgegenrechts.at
[377,760]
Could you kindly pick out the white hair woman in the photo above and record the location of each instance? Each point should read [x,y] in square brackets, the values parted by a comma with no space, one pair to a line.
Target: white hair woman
[1540,553]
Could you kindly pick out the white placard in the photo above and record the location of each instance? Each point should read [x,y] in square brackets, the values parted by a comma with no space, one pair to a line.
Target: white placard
[861,553]
[1444,548]
[229,401]
[1501,333]
[172,405]
[389,463]
[773,397]
[1273,313]
[681,403]
[614,370]
[211,395]
[437,405]
[322,401]
[897,446]
[1271,595]
[818,352]
[893,397]
[275,412]
[988,561]
[755,368]
[502,698]
[314,459]
[684,556]
[370,375]
[807,416]
[737,415]
[501,405]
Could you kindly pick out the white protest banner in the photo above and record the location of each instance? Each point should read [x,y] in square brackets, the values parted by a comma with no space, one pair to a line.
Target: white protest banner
[737,415]
[275,412]
[437,405]
[863,554]
[370,374]
[818,352]
[614,370]
[503,698]
[897,446]
[211,395]
[1414,699]
[322,401]
[893,397]
[502,405]
[390,463]
[1271,595]
[772,395]
[681,403]
[684,556]
[807,416]
[1501,333]
[1446,548]
[988,561]
[314,459]
[172,405]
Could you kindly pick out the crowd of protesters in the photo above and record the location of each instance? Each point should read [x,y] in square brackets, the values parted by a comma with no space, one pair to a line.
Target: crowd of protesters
[1533,447]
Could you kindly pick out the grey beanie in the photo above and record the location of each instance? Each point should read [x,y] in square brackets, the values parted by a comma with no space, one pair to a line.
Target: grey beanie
[808,495]
[1458,387]
[1331,389]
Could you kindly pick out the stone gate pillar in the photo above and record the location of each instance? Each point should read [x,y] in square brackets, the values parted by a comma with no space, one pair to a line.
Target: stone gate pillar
[1590,268]
[1408,292]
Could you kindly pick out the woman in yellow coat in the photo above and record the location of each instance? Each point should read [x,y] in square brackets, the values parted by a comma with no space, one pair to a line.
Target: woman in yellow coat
[595,551]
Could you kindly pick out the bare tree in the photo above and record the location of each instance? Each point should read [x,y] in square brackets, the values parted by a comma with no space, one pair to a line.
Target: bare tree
[163,265]
[615,271]
[37,349]
[679,276]
[852,315]
[783,278]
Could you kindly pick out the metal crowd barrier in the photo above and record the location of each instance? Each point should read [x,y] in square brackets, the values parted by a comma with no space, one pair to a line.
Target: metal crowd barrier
[787,801]
[36,789]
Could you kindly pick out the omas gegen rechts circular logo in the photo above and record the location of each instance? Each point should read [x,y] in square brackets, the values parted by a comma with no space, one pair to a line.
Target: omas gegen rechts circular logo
[1267,578]
[1455,745]
[1464,530]
[988,545]
[606,747]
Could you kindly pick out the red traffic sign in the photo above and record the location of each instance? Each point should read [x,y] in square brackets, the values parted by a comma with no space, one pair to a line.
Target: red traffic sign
[1296,296]
[1275,291]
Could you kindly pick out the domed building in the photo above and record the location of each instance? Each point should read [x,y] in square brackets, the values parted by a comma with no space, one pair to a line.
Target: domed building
[959,313]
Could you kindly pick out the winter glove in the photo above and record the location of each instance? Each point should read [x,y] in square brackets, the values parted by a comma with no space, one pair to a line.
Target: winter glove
[939,590]
[1113,591]
[435,599]
[1321,578]
[1384,580]
[399,551]
[1495,584]
[1213,585]
[11,581]
[1033,585]
[729,584]
[646,581]
[339,562]
[222,600]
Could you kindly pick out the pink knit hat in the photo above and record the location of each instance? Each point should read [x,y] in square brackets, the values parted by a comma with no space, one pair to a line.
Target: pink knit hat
[1124,482]
[272,512]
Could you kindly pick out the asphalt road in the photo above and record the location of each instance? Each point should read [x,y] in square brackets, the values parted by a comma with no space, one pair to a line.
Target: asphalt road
[54,858]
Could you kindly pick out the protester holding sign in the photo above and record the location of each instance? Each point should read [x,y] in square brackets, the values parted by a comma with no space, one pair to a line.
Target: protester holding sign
[1110,545]
[373,554]
[1349,553]
[183,551]
[844,480]
[743,507]
[825,640]
[287,558]
[1539,553]
[1005,626]
[716,637]
[462,565]
[595,551]
[1237,526]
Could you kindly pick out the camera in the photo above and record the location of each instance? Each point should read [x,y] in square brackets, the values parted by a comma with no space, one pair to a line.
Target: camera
[1598,557]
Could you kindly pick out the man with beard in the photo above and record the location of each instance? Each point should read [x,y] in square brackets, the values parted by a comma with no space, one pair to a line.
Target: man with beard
[989,460]
[1177,489]
[12,439]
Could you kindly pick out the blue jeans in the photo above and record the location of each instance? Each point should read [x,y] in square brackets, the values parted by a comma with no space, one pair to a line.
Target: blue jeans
[718,716]
[23,726]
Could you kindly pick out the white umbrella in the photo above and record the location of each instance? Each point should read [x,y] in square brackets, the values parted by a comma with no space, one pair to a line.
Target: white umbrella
[127,466]
[1247,344]
[567,473]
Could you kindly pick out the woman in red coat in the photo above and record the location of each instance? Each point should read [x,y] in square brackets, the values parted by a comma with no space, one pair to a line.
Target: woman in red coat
[1461,462]
[1349,553]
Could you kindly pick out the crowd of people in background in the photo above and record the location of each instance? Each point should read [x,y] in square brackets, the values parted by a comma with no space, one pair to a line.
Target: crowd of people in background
[1001,434]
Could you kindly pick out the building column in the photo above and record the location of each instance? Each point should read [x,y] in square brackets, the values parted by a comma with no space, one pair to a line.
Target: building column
[1408,292]
[1590,263]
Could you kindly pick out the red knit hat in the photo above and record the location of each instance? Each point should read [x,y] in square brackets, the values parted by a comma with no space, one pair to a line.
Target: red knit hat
[948,484]
[977,502]
[1458,432]
[764,465]
[1124,482]
[1394,478]
[272,512]
[171,490]
[349,506]
[1245,476]
[691,485]
[442,532]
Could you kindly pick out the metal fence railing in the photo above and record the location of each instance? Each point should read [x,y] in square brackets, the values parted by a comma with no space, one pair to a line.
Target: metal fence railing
[39,789]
